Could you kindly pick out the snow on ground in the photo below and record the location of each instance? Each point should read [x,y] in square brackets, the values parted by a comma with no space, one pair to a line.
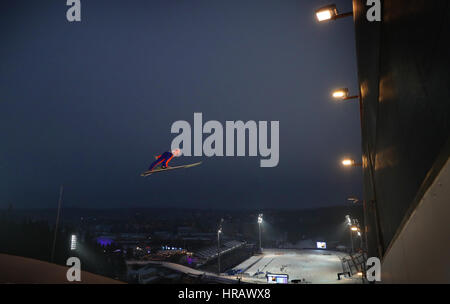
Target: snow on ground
[247,263]
[315,266]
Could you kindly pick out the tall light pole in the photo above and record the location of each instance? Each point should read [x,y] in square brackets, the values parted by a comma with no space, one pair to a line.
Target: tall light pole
[355,200]
[57,222]
[356,228]
[260,219]
[360,238]
[219,232]
[349,224]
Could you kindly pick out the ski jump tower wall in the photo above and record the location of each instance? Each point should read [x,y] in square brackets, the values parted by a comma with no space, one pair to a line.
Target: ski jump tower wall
[403,70]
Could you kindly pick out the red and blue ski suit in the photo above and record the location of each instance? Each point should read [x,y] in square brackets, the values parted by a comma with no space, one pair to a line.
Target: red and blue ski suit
[164,158]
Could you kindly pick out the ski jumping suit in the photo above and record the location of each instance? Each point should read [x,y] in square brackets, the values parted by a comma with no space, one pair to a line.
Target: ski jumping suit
[164,158]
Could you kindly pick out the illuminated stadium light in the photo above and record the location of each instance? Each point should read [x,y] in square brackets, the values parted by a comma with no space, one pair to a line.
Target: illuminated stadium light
[326,13]
[340,93]
[330,12]
[260,220]
[73,242]
[347,162]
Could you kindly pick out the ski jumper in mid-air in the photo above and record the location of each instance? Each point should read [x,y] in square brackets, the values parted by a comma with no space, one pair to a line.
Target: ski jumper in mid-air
[164,159]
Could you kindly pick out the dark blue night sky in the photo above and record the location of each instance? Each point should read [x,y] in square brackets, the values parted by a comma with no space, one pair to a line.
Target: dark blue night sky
[88,104]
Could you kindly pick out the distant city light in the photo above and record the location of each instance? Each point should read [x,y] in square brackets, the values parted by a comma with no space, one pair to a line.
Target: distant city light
[73,242]
[104,241]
